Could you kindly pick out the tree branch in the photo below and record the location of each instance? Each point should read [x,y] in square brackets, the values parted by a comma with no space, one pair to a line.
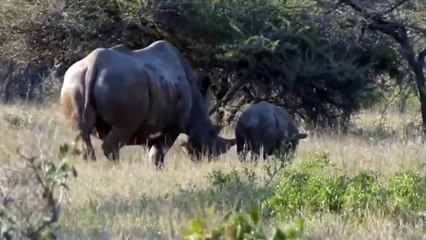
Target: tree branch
[228,96]
[395,6]
[235,88]
[421,58]
[354,6]
[388,28]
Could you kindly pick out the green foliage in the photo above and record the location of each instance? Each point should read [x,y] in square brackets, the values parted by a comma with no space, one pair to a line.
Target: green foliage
[236,225]
[30,204]
[307,63]
[225,189]
[307,188]
[222,181]
[304,61]
[408,191]
[363,195]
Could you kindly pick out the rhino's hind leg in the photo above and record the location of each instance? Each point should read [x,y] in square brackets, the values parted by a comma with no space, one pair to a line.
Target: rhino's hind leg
[115,139]
[84,131]
[88,150]
[241,147]
[255,149]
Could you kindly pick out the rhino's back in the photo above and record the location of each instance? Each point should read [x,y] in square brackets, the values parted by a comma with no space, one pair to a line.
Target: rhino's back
[161,57]
[286,123]
[255,114]
[257,122]
[140,86]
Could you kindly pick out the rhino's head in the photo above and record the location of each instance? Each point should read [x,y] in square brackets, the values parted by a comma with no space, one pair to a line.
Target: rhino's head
[292,139]
[202,134]
[216,147]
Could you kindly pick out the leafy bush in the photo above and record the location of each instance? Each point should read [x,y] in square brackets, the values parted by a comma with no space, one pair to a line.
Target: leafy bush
[408,191]
[236,186]
[236,225]
[364,194]
[29,204]
[307,188]
[309,63]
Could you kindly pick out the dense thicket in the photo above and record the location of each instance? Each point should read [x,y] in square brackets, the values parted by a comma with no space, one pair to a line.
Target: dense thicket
[319,64]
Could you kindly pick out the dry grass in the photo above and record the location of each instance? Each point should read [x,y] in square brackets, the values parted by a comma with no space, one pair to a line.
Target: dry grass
[131,200]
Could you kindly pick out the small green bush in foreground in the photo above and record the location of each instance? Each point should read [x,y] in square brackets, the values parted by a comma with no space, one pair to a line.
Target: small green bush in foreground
[236,225]
[31,195]
[308,187]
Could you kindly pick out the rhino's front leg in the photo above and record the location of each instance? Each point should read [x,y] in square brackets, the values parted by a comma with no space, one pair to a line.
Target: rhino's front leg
[159,147]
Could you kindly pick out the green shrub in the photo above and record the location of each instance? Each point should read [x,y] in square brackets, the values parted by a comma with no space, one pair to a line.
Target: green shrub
[299,190]
[408,191]
[289,195]
[31,196]
[226,188]
[221,181]
[363,194]
[236,225]
[307,188]
[337,188]
[314,66]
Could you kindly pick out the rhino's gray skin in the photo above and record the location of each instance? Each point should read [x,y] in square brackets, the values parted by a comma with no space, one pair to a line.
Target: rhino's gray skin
[263,128]
[137,96]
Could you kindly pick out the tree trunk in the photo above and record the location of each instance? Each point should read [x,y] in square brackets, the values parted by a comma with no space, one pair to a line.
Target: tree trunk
[234,89]
[8,79]
[420,79]
[417,67]
[420,82]
[399,33]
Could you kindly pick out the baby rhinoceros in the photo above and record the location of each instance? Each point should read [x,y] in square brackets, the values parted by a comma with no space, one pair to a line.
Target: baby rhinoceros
[264,128]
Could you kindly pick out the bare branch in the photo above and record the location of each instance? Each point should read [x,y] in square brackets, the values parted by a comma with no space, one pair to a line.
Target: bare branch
[378,18]
[361,34]
[40,175]
[245,79]
[354,6]
[395,6]
[228,96]
[390,28]
[357,8]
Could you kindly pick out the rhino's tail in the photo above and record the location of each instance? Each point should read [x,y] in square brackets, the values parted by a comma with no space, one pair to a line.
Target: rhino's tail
[89,82]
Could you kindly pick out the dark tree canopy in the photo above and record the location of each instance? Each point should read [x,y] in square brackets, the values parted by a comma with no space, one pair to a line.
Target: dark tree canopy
[321,65]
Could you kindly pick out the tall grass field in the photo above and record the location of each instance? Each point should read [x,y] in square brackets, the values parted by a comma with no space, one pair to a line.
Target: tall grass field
[366,184]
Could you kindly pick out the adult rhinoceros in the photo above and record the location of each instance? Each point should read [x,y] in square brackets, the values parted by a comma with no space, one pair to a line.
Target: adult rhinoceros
[264,127]
[133,97]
